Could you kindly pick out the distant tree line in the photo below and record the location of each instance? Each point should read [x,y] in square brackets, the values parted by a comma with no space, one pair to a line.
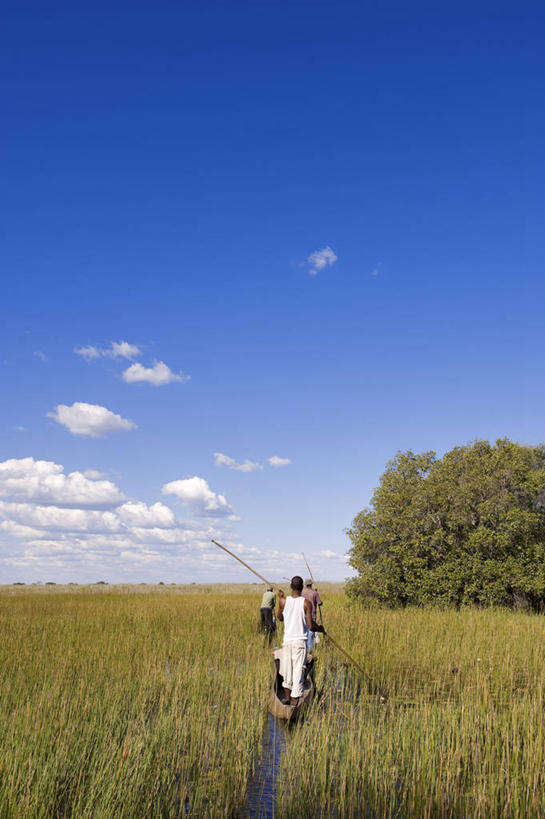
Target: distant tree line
[467,528]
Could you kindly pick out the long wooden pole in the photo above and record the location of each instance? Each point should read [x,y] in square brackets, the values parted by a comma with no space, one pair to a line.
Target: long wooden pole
[312,578]
[329,637]
[243,563]
[341,649]
[309,569]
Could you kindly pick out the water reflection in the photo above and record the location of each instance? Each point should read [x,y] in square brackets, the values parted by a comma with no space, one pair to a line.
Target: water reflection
[261,793]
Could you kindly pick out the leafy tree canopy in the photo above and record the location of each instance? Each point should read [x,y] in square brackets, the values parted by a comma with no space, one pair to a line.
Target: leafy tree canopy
[467,528]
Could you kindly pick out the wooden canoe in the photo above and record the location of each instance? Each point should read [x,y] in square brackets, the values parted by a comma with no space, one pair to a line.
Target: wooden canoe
[291,712]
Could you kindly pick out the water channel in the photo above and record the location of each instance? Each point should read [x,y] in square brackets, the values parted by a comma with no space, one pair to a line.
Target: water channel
[261,793]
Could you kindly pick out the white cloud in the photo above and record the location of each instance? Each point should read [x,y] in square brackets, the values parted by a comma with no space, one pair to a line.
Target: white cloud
[122,349]
[196,494]
[45,482]
[89,420]
[93,474]
[60,519]
[136,513]
[158,535]
[143,556]
[320,259]
[117,349]
[20,428]
[89,353]
[78,526]
[375,271]
[158,375]
[19,530]
[40,355]
[49,549]
[276,461]
[246,466]
[65,541]
[97,548]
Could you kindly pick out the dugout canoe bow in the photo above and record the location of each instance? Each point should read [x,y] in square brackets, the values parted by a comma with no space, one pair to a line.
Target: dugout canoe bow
[290,713]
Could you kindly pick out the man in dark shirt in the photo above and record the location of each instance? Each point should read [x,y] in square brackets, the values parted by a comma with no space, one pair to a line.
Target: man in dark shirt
[313,597]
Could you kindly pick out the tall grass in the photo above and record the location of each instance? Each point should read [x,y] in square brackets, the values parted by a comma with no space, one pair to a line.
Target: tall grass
[128,704]
[151,703]
[462,733]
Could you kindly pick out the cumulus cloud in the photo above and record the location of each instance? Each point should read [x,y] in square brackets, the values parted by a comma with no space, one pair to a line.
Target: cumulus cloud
[122,349]
[320,259]
[158,375]
[156,534]
[57,518]
[276,461]
[89,420]
[136,513]
[46,482]
[89,353]
[19,530]
[117,349]
[79,526]
[198,497]
[39,542]
[155,523]
[141,556]
[246,466]
[168,554]
[40,355]
[93,474]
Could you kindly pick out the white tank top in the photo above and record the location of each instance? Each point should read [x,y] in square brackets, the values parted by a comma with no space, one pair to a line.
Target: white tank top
[295,626]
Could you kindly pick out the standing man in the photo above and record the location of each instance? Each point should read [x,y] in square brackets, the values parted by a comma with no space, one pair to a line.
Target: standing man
[268,602]
[313,597]
[296,613]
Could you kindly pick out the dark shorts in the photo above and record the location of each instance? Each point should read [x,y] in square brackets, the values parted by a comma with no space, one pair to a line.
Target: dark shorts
[267,623]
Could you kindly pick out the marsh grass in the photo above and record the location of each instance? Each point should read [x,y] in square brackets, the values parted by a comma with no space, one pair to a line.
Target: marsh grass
[461,734]
[151,702]
[128,704]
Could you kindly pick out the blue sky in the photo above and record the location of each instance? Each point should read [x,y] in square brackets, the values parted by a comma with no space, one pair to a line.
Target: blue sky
[168,173]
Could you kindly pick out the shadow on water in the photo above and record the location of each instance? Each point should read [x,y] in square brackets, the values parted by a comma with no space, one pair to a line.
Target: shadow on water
[261,793]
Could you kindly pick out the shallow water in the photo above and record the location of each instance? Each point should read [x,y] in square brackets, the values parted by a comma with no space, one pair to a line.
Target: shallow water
[261,793]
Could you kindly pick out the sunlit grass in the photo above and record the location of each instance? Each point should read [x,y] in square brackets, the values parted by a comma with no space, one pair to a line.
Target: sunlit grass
[462,733]
[150,701]
[128,704]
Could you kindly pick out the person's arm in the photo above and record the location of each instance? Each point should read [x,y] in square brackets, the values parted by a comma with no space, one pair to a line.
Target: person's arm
[308,615]
[311,625]
[318,601]
[281,604]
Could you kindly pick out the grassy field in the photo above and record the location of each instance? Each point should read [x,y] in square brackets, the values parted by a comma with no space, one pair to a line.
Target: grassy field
[150,701]
[128,704]
[462,732]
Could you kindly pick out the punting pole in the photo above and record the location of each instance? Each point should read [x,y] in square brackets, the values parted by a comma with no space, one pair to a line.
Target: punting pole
[331,640]
[312,578]
[243,563]
[381,693]
[309,569]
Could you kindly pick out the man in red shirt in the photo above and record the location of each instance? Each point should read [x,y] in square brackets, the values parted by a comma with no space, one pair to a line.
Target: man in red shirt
[313,597]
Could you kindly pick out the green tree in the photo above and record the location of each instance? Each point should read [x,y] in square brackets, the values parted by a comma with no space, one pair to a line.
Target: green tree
[468,528]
